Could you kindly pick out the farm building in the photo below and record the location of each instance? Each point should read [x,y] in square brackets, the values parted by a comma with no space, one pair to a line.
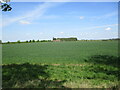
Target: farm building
[64,39]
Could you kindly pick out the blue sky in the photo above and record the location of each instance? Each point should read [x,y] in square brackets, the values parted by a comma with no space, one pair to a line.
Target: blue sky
[45,20]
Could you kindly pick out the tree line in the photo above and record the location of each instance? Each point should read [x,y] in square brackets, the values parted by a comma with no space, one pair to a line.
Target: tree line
[65,39]
[33,41]
[27,41]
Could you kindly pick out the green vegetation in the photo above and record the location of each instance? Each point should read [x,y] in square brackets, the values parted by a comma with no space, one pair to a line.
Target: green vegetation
[56,39]
[18,41]
[0,41]
[57,52]
[77,64]
[30,41]
[66,39]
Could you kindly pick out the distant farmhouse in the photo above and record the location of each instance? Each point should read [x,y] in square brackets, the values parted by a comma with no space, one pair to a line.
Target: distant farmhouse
[64,39]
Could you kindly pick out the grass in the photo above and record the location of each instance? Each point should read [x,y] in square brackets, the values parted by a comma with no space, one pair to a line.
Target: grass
[92,64]
[63,76]
[57,52]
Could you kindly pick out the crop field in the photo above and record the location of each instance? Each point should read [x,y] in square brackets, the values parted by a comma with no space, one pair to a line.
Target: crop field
[75,64]
[57,52]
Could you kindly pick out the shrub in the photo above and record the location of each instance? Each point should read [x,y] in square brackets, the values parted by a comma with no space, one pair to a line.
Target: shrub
[8,42]
[33,40]
[37,40]
[18,41]
[0,41]
[26,41]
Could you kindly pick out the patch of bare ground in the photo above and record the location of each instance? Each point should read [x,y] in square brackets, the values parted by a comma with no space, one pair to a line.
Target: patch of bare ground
[70,64]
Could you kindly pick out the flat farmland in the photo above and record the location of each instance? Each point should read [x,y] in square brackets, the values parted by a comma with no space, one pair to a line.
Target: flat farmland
[78,64]
[57,52]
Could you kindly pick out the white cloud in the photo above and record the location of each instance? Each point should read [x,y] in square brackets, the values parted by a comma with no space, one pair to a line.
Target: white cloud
[24,22]
[39,11]
[81,17]
[30,15]
[108,28]
[61,32]
[81,34]
[40,33]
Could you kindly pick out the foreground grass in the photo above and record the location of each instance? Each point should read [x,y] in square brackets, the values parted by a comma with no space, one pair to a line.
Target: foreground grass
[48,76]
[87,75]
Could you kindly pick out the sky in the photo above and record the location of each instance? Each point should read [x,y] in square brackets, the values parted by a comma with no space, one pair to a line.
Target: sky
[45,20]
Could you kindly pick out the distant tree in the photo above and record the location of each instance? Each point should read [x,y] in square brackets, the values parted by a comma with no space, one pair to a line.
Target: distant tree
[18,41]
[54,38]
[30,41]
[49,41]
[33,40]
[26,41]
[43,40]
[8,42]
[37,40]
[0,41]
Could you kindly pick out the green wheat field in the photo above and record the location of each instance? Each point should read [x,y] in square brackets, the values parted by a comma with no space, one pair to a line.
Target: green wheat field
[70,64]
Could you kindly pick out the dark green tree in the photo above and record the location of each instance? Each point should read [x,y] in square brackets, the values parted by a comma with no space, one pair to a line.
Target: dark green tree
[0,41]
[26,41]
[37,40]
[18,41]
[33,40]
[54,38]
[8,42]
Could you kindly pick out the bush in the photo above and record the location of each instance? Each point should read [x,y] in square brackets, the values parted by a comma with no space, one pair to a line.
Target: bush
[54,38]
[8,42]
[33,40]
[26,41]
[43,40]
[18,41]
[0,41]
[37,40]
